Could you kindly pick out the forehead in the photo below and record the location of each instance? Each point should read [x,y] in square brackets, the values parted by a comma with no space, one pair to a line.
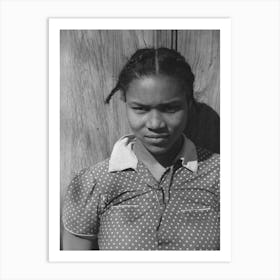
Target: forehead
[154,89]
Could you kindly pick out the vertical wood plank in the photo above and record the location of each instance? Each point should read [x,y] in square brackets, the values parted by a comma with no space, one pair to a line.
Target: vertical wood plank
[163,38]
[201,49]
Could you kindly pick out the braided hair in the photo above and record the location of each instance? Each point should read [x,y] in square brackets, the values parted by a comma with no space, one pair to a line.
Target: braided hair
[152,61]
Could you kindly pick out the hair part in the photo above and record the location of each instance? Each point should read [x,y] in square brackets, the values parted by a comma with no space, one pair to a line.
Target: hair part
[155,61]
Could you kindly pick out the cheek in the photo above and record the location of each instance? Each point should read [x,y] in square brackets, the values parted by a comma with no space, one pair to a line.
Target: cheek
[178,120]
[134,120]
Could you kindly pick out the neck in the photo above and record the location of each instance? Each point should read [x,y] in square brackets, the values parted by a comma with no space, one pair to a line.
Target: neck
[167,159]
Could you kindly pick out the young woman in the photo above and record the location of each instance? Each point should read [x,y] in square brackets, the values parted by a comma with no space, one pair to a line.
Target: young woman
[157,191]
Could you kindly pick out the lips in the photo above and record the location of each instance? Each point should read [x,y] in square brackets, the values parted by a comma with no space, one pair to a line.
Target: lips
[158,136]
[156,139]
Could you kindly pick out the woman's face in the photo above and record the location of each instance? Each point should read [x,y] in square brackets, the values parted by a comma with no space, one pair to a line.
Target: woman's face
[157,112]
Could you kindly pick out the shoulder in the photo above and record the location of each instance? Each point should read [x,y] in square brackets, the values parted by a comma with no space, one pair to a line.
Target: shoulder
[85,180]
[103,177]
[92,172]
[209,170]
[208,161]
[100,168]
[206,156]
[99,177]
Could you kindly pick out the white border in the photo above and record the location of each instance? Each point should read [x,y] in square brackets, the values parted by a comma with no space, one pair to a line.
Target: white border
[55,25]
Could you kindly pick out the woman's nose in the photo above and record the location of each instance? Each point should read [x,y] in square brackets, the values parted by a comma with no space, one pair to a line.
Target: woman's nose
[155,120]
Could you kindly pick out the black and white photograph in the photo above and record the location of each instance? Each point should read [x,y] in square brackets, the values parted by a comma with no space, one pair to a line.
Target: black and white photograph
[140,135]
[140,138]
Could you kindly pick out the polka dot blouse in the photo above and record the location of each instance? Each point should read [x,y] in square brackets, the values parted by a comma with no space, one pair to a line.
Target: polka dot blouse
[129,209]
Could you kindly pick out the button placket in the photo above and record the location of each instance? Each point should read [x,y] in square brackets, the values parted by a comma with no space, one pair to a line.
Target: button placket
[164,188]
[166,184]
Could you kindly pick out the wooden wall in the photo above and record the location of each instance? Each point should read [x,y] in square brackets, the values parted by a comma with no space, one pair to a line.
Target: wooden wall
[90,63]
[201,48]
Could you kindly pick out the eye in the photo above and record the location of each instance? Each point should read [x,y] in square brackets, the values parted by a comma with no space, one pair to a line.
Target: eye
[171,108]
[139,109]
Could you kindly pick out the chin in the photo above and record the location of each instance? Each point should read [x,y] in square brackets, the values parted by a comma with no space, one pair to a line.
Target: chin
[157,150]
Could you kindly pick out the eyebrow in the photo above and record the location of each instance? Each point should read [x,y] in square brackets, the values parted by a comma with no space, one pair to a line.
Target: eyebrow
[171,102]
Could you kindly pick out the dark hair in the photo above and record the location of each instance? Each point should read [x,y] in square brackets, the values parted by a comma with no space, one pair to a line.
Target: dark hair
[151,61]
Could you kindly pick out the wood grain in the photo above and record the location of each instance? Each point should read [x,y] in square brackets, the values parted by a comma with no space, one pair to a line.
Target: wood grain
[90,63]
[201,49]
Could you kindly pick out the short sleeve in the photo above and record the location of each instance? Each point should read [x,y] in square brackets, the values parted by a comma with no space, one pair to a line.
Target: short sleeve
[80,206]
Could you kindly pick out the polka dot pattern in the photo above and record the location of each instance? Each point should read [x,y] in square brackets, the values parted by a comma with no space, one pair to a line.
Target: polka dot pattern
[130,210]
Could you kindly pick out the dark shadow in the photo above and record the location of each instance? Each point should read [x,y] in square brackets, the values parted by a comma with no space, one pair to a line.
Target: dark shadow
[203,127]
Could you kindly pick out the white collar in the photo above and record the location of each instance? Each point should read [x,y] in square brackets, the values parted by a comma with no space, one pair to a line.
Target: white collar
[123,156]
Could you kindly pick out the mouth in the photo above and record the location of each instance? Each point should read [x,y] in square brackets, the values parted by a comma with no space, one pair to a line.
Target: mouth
[156,139]
[157,136]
